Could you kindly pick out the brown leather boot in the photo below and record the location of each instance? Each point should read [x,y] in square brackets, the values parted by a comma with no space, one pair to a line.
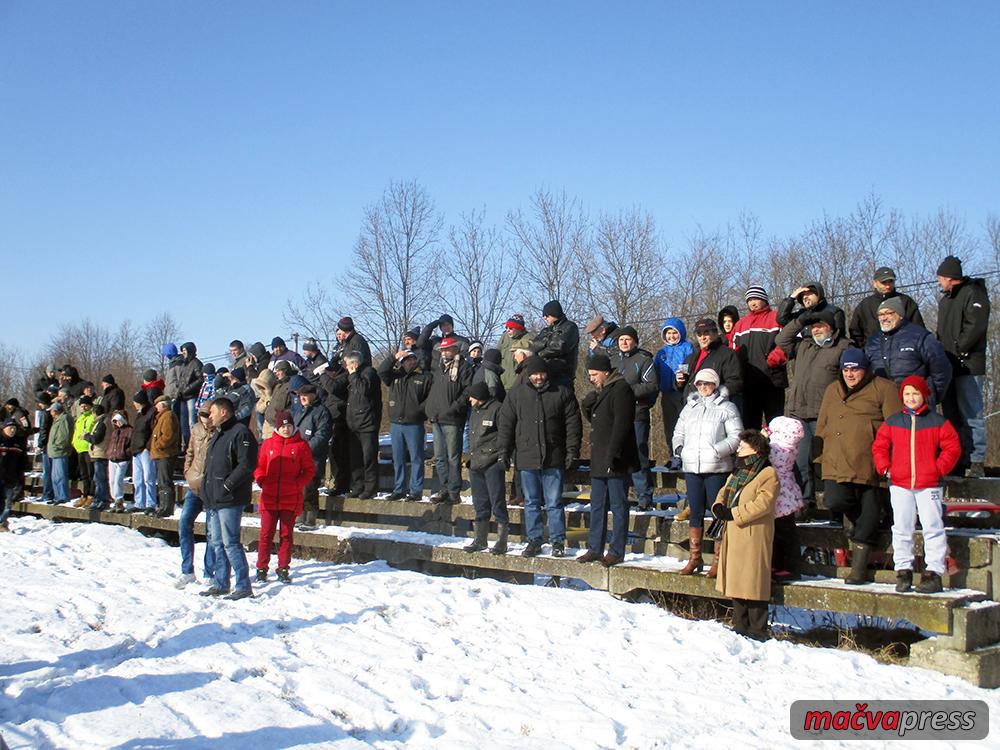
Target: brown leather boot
[694,563]
[713,570]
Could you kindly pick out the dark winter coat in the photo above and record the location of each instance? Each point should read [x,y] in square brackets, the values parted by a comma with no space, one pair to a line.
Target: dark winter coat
[427,344]
[408,391]
[189,378]
[43,430]
[316,428]
[229,466]
[356,344]
[113,399]
[753,338]
[559,345]
[910,349]
[120,443]
[14,461]
[142,429]
[789,309]
[611,413]
[815,368]
[281,399]
[918,450]
[364,401]
[446,402]
[608,345]
[43,383]
[723,360]
[489,373]
[284,467]
[963,319]
[316,378]
[864,319]
[638,371]
[484,435]
[541,428]
[262,359]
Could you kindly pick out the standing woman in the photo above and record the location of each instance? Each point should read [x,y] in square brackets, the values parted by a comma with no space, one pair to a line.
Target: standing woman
[284,467]
[746,503]
[706,437]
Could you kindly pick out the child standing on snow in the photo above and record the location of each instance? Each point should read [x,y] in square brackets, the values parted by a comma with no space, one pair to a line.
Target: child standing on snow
[914,449]
[785,435]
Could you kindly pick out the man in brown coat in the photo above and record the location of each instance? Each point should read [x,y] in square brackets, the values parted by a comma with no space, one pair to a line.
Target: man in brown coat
[853,407]
[194,474]
[164,446]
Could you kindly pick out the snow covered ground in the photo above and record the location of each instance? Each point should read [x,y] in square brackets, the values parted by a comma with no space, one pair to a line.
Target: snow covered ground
[101,651]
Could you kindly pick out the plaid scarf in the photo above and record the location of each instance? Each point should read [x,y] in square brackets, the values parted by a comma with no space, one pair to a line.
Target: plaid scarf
[744,473]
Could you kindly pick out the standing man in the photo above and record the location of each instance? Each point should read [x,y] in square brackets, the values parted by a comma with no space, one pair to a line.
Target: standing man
[408,387]
[864,319]
[364,415]
[194,473]
[189,382]
[447,408]
[59,449]
[143,478]
[430,344]
[810,297]
[636,367]
[316,428]
[515,336]
[558,345]
[486,470]
[281,353]
[164,447]
[349,341]
[112,397]
[229,466]
[963,320]
[540,426]
[764,376]
[610,409]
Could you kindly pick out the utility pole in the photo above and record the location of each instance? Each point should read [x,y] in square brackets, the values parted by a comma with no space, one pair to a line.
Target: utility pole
[295,338]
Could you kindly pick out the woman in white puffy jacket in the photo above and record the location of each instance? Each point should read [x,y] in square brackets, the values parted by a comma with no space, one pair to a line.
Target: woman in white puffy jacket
[706,438]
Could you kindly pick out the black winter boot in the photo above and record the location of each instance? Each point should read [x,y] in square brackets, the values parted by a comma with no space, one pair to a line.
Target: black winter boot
[859,564]
[500,547]
[904,581]
[930,583]
[478,544]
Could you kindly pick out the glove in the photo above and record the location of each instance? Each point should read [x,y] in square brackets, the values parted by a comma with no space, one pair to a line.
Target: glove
[570,462]
[721,512]
[321,368]
[776,358]
[88,437]
[505,462]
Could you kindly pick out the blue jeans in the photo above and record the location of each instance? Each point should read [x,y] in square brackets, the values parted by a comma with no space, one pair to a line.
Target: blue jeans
[702,490]
[60,479]
[102,494]
[539,484]
[9,496]
[185,529]
[47,495]
[188,417]
[227,551]
[963,407]
[642,480]
[448,455]
[407,447]
[604,492]
[144,480]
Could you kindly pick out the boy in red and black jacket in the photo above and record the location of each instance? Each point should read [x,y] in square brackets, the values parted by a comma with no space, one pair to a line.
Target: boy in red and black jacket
[914,449]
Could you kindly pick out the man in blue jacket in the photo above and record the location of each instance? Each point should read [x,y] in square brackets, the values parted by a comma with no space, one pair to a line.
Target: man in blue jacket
[674,352]
[901,348]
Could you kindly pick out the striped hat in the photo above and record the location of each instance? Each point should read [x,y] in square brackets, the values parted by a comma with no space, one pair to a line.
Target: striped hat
[757,292]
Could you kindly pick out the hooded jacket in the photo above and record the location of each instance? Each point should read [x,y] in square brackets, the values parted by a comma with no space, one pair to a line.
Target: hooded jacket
[262,358]
[611,413]
[542,428]
[669,357]
[730,311]
[963,320]
[284,467]
[408,391]
[189,377]
[786,435]
[909,349]
[707,433]
[787,309]
[119,446]
[491,374]
[83,425]
[172,378]
[815,368]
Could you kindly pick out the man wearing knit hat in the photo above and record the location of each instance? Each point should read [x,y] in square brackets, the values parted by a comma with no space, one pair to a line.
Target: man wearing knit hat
[409,387]
[864,319]
[963,322]
[486,469]
[350,341]
[763,362]
[515,336]
[281,353]
[901,348]
[635,365]
[430,343]
[558,344]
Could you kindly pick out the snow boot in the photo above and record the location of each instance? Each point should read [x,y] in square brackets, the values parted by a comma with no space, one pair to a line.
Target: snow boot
[478,544]
[859,564]
[904,581]
[694,564]
[930,583]
[533,549]
[284,576]
[500,547]
[308,522]
[261,575]
[559,549]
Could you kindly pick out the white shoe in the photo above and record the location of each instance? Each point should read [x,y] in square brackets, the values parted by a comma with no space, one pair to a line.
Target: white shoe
[184,580]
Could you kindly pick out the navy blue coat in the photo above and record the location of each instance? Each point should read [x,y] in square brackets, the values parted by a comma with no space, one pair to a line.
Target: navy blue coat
[910,350]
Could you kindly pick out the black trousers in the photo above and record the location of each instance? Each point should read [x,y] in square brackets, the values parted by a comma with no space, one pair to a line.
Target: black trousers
[861,503]
[488,493]
[86,474]
[364,462]
[340,456]
[670,406]
[165,485]
[310,496]
[786,552]
[762,402]
[750,618]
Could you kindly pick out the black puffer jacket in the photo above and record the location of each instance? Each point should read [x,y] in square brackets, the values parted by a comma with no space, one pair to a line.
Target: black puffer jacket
[14,459]
[113,399]
[611,412]
[559,345]
[189,379]
[142,429]
[484,435]
[636,368]
[229,465]
[963,319]
[408,391]
[316,428]
[541,428]
[910,349]
[447,403]
[364,400]
[724,361]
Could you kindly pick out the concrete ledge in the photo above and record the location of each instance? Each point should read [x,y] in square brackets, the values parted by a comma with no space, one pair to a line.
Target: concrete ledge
[980,667]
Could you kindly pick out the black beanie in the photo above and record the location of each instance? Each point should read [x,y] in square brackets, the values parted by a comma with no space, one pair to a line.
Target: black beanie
[141,398]
[109,379]
[480,391]
[600,362]
[492,356]
[533,365]
[553,308]
[149,376]
[951,268]
[627,331]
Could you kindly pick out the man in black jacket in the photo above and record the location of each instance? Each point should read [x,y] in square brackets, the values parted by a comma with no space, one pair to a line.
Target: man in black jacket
[349,341]
[428,343]
[112,397]
[486,470]
[408,387]
[540,426]
[558,345]
[713,353]
[447,407]
[811,297]
[44,401]
[963,322]
[229,465]
[635,365]
[189,382]
[610,409]
[316,428]
[864,319]
[364,415]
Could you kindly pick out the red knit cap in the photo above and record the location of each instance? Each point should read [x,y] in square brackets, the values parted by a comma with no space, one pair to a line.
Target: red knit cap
[915,381]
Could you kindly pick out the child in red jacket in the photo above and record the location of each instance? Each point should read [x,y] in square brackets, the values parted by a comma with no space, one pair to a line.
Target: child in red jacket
[914,449]
[284,467]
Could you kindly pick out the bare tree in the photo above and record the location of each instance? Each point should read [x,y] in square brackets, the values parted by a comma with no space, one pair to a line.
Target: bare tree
[392,276]
[13,374]
[315,315]
[162,329]
[485,271]
[698,278]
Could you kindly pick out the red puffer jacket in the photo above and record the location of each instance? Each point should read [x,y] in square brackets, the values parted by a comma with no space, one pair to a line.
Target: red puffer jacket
[284,468]
[916,449]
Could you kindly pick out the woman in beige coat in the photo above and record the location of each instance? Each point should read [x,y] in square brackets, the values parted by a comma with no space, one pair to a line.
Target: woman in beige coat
[746,503]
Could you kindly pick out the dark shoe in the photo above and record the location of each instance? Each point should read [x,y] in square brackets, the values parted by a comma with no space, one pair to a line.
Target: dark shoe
[478,544]
[414,498]
[608,560]
[396,496]
[150,511]
[261,574]
[589,556]
[559,549]
[859,565]
[366,495]
[240,594]
[975,470]
[904,581]
[284,576]
[439,497]
[500,547]
[516,501]
[454,498]
[644,505]
[213,592]
[930,583]
[533,549]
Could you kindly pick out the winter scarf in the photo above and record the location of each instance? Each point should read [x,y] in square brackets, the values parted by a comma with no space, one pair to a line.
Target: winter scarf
[747,467]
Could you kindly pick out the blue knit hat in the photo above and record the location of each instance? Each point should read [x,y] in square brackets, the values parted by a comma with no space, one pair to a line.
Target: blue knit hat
[854,359]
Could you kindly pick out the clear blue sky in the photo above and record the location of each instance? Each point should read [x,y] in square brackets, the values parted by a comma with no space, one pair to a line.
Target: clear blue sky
[211,158]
